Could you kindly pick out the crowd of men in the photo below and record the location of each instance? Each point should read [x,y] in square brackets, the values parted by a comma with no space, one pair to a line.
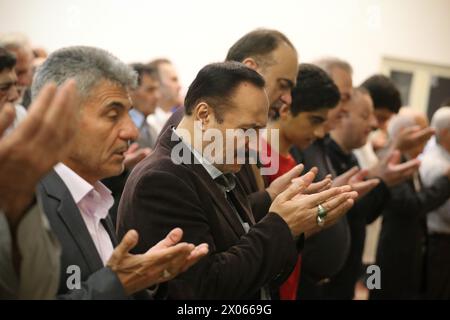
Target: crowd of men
[258,184]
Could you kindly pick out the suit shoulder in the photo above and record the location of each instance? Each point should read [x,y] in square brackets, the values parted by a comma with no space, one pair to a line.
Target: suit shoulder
[156,170]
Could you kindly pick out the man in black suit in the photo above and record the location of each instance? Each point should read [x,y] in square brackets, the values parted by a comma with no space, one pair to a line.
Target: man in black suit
[403,242]
[350,133]
[184,183]
[334,276]
[77,203]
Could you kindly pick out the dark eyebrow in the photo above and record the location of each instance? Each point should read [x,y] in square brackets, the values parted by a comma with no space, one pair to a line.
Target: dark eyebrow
[317,118]
[116,105]
[248,125]
[8,84]
[289,82]
[252,126]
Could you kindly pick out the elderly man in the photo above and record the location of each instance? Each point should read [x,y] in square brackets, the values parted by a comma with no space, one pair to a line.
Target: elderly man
[181,183]
[77,204]
[435,163]
[29,252]
[402,248]
[145,98]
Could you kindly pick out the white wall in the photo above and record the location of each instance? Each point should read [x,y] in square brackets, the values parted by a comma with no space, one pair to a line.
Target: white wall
[195,32]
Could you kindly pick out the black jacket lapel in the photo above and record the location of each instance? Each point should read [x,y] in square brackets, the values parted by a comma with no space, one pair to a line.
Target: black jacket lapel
[71,217]
[169,142]
[219,199]
[108,225]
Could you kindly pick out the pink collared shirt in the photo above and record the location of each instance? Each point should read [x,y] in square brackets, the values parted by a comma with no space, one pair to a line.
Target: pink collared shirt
[94,203]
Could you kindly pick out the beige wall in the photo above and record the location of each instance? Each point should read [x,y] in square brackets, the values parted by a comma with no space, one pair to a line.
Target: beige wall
[196,32]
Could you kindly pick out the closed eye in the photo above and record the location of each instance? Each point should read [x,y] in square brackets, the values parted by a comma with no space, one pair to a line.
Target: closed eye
[114,110]
[113,114]
[315,120]
[285,84]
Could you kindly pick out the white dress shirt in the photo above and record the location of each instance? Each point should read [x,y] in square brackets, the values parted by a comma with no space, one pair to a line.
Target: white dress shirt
[158,119]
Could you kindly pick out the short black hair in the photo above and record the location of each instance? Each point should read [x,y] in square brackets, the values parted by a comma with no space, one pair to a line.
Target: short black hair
[258,44]
[383,92]
[7,59]
[314,90]
[216,83]
[142,69]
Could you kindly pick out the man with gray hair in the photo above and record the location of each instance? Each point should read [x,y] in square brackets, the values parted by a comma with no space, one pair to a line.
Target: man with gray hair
[341,72]
[435,163]
[402,248]
[77,203]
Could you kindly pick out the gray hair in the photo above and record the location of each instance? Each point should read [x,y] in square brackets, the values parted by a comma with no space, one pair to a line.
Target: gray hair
[87,65]
[14,41]
[406,118]
[329,63]
[441,120]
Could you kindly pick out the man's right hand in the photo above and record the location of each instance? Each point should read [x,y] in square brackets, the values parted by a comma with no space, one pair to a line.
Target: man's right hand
[410,137]
[299,210]
[281,183]
[355,178]
[35,146]
[391,171]
[161,263]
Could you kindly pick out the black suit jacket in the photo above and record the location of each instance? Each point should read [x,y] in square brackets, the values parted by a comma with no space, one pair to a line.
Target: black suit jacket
[260,200]
[325,253]
[336,252]
[78,249]
[161,195]
[402,244]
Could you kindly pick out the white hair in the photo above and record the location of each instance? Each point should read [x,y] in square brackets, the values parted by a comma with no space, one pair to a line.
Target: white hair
[87,65]
[441,120]
[406,117]
[329,63]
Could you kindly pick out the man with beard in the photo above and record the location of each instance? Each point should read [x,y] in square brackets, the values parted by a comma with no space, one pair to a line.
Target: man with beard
[200,194]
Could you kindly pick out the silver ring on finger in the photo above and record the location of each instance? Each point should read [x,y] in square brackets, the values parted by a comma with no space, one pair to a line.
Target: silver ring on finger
[321,215]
